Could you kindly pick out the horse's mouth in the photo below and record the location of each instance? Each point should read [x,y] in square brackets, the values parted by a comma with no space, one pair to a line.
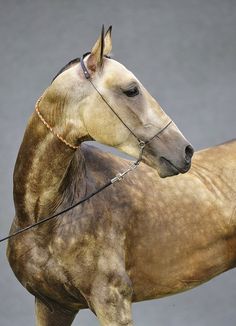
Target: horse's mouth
[165,167]
[173,169]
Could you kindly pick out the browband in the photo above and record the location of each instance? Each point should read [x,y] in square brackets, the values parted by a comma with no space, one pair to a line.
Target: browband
[85,70]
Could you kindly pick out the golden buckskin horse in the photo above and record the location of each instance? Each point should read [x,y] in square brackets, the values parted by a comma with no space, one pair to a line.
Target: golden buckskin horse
[142,238]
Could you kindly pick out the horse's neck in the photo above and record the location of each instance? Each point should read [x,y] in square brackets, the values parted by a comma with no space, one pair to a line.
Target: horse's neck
[44,175]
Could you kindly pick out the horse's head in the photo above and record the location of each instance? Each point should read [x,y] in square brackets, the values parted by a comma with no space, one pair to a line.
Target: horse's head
[122,113]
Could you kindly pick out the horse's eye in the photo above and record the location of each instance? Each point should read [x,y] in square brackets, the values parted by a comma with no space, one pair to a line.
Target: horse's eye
[131,92]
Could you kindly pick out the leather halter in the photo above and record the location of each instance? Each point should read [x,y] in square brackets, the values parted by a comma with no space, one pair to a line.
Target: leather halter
[118,177]
[141,142]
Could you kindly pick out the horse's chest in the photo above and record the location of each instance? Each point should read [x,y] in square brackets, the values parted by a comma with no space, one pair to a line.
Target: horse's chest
[41,274]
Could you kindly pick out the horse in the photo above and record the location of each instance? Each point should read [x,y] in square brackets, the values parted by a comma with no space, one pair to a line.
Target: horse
[145,237]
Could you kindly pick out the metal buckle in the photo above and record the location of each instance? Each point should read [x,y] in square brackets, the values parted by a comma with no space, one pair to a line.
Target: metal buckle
[121,175]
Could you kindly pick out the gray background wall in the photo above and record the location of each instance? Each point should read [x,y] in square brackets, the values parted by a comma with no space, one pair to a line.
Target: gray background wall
[184,53]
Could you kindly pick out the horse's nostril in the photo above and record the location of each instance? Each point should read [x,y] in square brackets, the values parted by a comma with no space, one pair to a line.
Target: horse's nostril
[188,153]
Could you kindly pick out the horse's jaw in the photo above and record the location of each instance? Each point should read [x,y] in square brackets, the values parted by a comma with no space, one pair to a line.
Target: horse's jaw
[163,169]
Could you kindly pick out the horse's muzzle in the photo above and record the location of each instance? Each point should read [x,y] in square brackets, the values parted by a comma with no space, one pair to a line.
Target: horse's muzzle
[169,153]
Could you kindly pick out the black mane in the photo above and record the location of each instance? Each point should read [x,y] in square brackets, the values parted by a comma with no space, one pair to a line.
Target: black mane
[71,63]
[67,66]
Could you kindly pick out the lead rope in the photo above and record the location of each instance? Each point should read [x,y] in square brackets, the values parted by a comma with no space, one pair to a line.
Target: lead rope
[119,176]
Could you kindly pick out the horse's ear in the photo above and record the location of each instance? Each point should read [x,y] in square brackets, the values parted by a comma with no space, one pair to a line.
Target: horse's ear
[96,57]
[108,42]
[102,47]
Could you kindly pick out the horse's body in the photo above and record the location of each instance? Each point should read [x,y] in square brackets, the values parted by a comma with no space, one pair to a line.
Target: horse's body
[139,239]
[177,234]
